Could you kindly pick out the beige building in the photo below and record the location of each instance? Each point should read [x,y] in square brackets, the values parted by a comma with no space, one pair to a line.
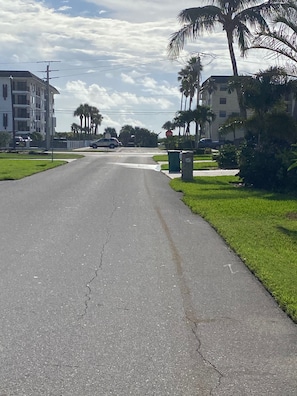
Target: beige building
[23,103]
[215,94]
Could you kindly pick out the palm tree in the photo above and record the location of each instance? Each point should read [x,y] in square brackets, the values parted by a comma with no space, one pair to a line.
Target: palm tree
[83,112]
[94,119]
[265,93]
[283,39]
[75,128]
[189,78]
[235,17]
[79,112]
[201,115]
[232,123]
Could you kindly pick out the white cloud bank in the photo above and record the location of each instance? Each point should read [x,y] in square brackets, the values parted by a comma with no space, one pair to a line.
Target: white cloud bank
[115,60]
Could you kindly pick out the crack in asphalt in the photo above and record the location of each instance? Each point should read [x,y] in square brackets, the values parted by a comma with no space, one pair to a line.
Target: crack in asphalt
[190,313]
[189,309]
[97,269]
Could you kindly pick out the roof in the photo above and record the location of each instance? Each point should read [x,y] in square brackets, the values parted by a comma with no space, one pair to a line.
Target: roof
[24,74]
[218,79]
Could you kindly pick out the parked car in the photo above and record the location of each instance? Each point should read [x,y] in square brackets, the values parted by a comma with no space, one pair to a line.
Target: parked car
[209,143]
[111,143]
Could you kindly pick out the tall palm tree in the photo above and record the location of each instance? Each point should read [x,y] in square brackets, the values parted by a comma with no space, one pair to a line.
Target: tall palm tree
[201,115]
[236,18]
[94,119]
[283,39]
[79,112]
[189,78]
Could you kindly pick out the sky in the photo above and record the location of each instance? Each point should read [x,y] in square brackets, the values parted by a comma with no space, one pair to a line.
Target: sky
[111,54]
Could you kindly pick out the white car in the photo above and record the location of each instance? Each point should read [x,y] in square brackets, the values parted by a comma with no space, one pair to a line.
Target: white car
[111,143]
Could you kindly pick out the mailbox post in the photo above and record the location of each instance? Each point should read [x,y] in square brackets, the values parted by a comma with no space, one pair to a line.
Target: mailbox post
[187,165]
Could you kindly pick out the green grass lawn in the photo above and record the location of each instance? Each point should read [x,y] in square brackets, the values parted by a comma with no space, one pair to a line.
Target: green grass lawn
[18,164]
[207,163]
[164,157]
[14,169]
[37,154]
[260,226]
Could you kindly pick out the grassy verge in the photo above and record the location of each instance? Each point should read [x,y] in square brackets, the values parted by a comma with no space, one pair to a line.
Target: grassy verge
[37,155]
[164,157]
[206,165]
[11,169]
[260,227]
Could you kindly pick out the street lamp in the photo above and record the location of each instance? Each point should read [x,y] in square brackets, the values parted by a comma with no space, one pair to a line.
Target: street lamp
[12,112]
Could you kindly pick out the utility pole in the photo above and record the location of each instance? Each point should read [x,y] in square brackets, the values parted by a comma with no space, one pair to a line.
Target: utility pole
[12,110]
[48,115]
[197,67]
[47,112]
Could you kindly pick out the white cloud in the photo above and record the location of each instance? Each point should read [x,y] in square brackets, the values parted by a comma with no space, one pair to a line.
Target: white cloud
[115,60]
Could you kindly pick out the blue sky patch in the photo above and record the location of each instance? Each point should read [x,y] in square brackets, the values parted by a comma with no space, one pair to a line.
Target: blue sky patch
[76,8]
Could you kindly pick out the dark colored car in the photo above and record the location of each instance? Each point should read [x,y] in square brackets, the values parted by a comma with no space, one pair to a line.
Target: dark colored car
[209,143]
[111,143]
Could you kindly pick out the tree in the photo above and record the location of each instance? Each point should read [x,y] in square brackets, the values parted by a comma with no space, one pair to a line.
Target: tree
[283,39]
[265,94]
[189,80]
[91,116]
[125,134]
[79,112]
[201,115]
[168,126]
[111,131]
[4,139]
[75,128]
[235,17]
[266,155]
[232,123]
[95,119]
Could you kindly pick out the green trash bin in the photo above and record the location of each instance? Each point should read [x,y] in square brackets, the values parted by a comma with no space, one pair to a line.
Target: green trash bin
[174,161]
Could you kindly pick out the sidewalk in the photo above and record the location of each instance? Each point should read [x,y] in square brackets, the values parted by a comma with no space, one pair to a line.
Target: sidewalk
[216,172]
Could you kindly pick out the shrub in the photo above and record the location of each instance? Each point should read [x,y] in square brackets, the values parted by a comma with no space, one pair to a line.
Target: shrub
[266,167]
[4,139]
[228,157]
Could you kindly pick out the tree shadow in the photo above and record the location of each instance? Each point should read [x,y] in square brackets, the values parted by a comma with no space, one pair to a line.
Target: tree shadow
[290,233]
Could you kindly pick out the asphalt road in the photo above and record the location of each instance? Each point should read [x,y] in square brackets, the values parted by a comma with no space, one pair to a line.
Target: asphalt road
[109,285]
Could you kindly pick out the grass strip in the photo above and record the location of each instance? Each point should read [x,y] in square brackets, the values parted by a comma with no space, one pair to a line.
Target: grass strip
[37,155]
[207,165]
[164,157]
[11,169]
[261,227]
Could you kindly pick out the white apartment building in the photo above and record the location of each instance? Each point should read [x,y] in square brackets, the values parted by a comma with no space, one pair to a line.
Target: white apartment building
[215,94]
[23,103]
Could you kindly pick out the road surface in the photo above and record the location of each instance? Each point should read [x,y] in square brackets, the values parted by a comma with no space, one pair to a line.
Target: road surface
[109,285]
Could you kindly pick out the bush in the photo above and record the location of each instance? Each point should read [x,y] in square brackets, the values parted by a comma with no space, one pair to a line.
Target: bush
[266,166]
[4,139]
[228,157]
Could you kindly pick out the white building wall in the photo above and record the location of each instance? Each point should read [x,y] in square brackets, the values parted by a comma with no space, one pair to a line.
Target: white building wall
[5,105]
[223,103]
[29,102]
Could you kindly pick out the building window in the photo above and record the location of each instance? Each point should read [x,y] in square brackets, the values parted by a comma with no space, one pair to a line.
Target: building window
[4,91]
[5,120]
[223,100]
[222,114]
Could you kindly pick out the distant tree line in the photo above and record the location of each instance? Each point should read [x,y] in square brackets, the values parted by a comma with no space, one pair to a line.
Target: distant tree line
[137,136]
[90,119]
